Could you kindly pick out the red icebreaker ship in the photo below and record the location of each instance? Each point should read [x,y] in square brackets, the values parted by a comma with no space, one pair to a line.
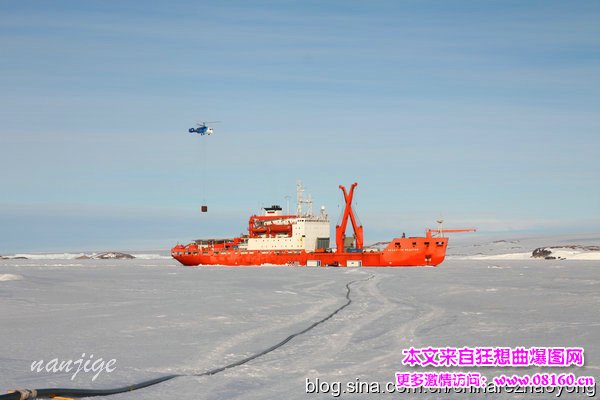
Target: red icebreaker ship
[303,240]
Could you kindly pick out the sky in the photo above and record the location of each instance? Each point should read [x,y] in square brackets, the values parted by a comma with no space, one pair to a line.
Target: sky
[485,114]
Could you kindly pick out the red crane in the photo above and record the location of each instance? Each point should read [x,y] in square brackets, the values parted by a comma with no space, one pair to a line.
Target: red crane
[340,230]
[440,232]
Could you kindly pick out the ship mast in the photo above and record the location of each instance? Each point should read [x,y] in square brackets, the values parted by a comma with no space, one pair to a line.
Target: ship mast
[299,191]
[300,201]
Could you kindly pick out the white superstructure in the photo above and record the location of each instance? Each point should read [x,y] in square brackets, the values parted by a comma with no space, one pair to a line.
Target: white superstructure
[303,231]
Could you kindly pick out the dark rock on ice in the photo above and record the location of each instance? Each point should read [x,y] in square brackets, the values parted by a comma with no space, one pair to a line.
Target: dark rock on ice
[541,252]
[112,256]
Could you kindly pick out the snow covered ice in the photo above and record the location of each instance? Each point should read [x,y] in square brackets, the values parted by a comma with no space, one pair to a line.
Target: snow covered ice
[156,317]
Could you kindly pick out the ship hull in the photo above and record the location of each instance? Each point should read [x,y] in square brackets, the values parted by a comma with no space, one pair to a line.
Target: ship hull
[401,252]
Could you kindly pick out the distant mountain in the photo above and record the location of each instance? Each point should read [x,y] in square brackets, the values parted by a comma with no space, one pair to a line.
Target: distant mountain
[112,256]
[109,255]
[565,252]
[555,247]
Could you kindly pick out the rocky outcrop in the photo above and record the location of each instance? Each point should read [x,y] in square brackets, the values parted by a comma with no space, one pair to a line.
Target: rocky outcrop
[541,252]
[558,252]
[109,255]
[578,247]
[113,255]
[545,253]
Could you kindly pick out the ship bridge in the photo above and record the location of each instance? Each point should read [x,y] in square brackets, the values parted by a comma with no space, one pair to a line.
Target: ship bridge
[275,230]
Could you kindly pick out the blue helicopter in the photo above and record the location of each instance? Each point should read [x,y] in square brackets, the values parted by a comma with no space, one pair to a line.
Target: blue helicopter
[202,129]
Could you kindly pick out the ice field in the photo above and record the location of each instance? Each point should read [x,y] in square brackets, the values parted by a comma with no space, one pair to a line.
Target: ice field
[155,317]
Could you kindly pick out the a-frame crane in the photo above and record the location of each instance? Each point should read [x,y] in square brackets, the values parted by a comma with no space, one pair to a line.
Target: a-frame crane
[340,230]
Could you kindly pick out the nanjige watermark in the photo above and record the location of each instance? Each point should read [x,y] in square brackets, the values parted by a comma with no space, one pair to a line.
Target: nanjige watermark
[85,364]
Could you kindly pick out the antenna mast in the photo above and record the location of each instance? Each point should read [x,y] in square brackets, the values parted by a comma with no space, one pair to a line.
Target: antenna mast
[300,200]
[287,201]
